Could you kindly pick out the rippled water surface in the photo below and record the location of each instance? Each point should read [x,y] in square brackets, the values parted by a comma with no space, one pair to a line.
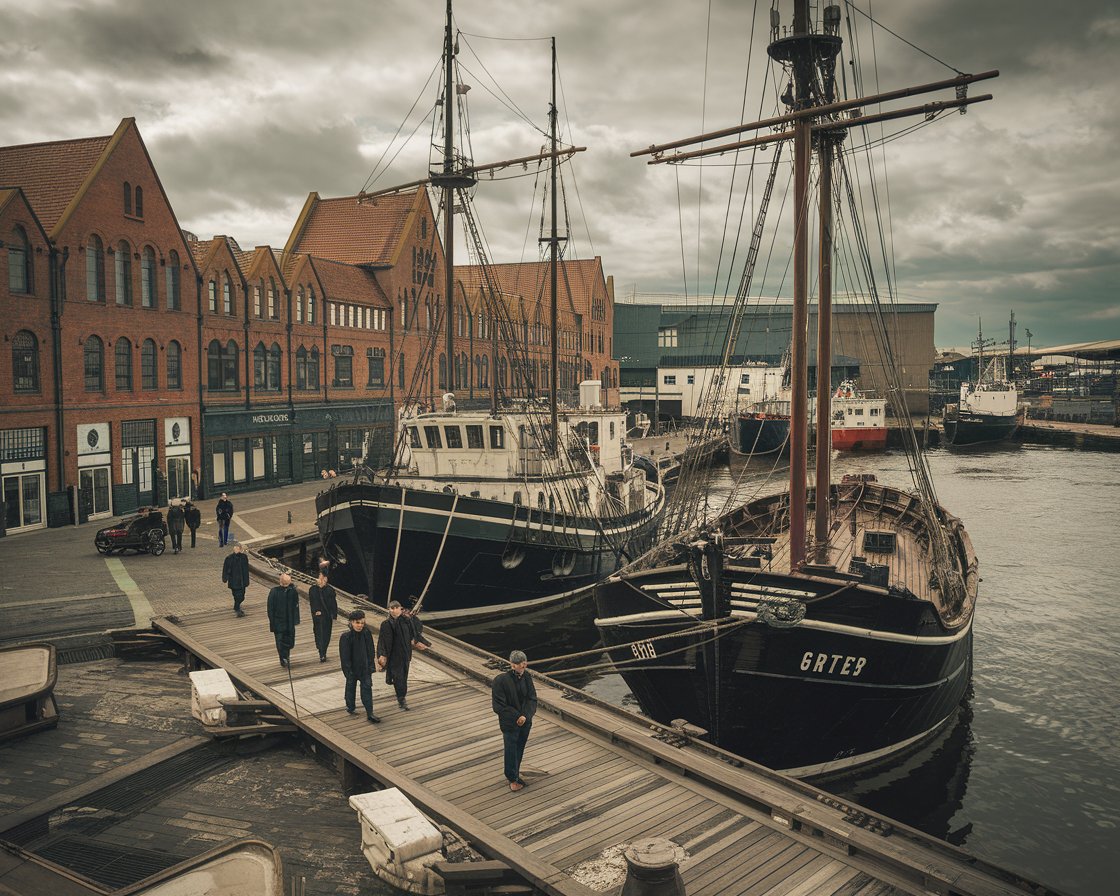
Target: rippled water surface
[1028,777]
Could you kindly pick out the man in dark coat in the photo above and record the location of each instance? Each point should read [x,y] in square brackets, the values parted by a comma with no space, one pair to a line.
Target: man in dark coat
[358,656]
[176,519]
[283,616]
[514,699]
[235,573]
[419,642]
[224,513]
[324,607]
[194,519]
[394,651]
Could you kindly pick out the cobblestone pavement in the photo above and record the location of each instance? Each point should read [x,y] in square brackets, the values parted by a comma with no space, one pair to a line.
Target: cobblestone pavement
[54,583]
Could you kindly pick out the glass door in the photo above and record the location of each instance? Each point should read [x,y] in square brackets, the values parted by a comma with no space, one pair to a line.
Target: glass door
[23,499]
[93,491]
[178,478]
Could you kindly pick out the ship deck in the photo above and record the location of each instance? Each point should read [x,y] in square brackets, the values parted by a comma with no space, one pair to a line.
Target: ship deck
[598,778]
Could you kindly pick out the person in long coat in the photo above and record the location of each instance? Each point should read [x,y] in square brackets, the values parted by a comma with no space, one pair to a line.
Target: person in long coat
[176,519]
[224,512]
[194,519]
[513,697]
[394,651]
[235,573]
[358,656]
[283,616]
[324,607]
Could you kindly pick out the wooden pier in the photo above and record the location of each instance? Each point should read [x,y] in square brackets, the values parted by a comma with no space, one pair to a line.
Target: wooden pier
[599,778]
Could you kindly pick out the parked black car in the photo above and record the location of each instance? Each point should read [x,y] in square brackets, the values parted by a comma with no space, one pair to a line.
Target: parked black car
[143,532]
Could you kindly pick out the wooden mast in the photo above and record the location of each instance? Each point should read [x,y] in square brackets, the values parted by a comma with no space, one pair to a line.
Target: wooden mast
[554,252]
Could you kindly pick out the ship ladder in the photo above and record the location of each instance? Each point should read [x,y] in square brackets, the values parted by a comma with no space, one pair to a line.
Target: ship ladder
[439,554]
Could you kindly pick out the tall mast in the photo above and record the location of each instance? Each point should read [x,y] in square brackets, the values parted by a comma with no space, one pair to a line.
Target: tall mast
[554,252]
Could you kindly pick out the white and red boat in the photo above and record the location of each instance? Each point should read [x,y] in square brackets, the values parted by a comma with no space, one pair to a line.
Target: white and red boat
[859,422]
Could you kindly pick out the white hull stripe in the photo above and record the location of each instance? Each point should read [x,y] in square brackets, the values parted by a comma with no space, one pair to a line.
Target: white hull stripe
[497,521]
[808,771]
[849,630]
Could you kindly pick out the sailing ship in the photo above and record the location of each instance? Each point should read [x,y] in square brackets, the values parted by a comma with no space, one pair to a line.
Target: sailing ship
[859,420]
[988,409]
[522,504]
[823,627]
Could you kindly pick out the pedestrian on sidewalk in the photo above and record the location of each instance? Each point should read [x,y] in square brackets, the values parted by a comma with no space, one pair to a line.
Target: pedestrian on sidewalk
[514,699]
[224,512]
[394,651]
[194,519]
[324,607]
[235,573]
[283,616]
[176,519]
[358,656]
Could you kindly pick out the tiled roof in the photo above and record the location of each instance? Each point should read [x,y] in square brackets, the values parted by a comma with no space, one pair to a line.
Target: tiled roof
[50,173]
[355,233]
[350,283]
[575,280]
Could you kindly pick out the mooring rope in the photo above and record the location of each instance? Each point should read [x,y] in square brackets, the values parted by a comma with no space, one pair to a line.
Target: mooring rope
[396,550]
[439,554]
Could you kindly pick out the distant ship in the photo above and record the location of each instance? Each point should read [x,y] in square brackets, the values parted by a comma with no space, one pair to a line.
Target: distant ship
[763,427]
[859,421]
[988,410]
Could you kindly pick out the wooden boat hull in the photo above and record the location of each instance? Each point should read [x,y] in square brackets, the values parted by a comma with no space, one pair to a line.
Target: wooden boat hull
[27,678]
[472,556]
[810,672]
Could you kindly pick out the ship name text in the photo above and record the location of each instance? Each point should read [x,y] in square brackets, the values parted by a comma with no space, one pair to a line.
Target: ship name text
[827,662]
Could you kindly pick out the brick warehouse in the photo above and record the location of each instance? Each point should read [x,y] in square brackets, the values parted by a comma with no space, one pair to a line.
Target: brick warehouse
[176,367]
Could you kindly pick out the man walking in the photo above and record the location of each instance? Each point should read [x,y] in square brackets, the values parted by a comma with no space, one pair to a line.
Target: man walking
[356,651]
[235,573]
[394,651]
[514,699]
[224,512]
[194,519]
[283,616]
[324,607]
[176,519]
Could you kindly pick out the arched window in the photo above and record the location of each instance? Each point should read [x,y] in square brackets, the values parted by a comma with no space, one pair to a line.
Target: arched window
[148,277]
[258,295]
[214,366]
[174,302]
[149,375]
[19,261]
[139,202]
[227,294]
[212,296]
[25,362]
[313,369]
[310,305]
[299,305]
[273,376]
[301,368]
[174,365]
[95,269]
[273,313]
[400,370]
[443,371]
[127,198]
[123,270]
[123,352]
[260,360]
[93,363]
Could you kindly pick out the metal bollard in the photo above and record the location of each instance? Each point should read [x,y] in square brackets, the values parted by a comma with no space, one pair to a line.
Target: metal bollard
[652,868]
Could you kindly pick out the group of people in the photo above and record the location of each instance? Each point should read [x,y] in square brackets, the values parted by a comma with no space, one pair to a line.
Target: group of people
[513,694]
[185,514]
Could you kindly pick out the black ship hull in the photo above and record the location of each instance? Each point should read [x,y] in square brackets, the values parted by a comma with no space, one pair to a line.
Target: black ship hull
[759,434]
[963,429]
[470,557]
[859,655]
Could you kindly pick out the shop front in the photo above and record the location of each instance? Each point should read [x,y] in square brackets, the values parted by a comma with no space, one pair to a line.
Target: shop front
[177,451]
[23,473]
[95,462]
[258,449]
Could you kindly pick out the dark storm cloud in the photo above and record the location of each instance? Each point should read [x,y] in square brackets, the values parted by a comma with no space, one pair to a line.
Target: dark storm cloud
[248,106]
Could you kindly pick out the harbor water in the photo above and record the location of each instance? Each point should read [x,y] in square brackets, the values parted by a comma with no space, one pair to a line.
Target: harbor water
[1028,774]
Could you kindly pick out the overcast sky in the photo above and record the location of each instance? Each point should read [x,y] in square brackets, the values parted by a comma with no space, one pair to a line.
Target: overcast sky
[248,106]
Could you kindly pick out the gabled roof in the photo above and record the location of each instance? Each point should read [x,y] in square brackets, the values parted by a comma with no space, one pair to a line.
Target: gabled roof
[575,280]
[349,283]
[53,174]
[367,232]
[13,196]
[203,252]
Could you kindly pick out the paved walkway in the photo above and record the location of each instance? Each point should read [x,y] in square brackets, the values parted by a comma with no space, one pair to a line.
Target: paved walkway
[55,583]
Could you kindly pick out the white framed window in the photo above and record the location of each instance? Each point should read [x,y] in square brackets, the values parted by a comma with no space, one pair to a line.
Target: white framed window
[667,337]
